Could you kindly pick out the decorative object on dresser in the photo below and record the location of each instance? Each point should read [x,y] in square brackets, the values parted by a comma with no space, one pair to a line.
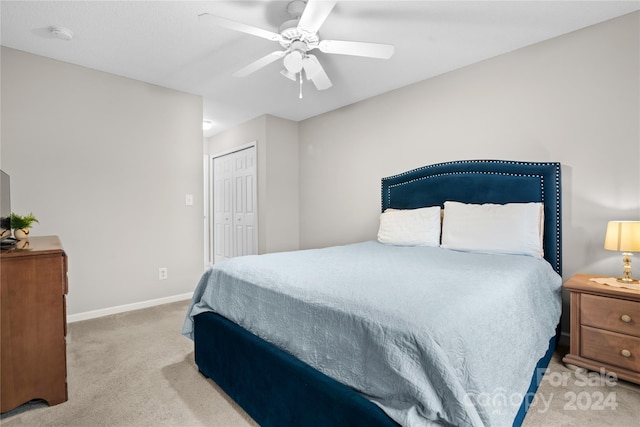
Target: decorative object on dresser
[605,328]
[624,236]
[34,327]
[21,225]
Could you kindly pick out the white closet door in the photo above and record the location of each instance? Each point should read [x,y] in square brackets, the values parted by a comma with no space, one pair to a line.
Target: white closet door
[235,217]
[222,208]
[244,203]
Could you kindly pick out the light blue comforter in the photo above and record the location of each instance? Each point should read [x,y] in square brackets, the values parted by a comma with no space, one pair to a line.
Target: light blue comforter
[432,336]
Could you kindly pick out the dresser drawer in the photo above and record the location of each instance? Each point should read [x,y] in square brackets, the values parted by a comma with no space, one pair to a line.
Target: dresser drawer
[610,347]
[613,314]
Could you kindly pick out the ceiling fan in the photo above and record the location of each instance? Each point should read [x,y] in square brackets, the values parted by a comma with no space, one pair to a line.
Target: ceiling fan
[297,37]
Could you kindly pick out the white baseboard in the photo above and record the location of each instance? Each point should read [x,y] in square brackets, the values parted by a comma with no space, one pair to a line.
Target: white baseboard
[126,307]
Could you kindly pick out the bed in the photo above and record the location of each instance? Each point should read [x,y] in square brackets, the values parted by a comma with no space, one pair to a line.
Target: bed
[262,325]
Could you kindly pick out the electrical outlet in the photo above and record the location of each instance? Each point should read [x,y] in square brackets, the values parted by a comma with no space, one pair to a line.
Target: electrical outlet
[163,273]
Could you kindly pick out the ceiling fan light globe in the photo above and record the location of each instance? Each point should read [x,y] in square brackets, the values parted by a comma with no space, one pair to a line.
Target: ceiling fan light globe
[293,61]
[311,66]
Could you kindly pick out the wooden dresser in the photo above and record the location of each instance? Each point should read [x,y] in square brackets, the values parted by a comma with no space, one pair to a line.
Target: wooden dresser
[33,348]
[605,328]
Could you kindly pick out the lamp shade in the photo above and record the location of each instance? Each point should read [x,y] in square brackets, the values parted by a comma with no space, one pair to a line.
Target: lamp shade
[623,236]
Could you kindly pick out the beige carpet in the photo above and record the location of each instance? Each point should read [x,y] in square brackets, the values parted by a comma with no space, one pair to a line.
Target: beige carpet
[135,369]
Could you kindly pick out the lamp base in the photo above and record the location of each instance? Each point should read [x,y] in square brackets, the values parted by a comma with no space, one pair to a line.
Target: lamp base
[627,280]
[626,275]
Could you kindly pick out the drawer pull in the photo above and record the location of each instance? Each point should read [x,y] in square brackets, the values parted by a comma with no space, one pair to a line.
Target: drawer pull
[625,353]
[625,318]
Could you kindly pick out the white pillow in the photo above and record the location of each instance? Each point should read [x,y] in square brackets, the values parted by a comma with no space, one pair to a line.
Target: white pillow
[410,227]
[512,228]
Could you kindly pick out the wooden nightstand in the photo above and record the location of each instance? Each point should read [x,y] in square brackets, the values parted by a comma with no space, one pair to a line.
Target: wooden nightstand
[605,328]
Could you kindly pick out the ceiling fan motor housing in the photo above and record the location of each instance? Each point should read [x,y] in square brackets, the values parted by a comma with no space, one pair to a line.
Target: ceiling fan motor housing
[290,33]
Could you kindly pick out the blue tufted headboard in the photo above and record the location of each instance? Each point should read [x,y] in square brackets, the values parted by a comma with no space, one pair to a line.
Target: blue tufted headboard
[484,181]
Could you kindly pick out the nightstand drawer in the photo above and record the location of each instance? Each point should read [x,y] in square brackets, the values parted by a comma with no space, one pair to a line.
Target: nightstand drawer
[610,347]
[610,313]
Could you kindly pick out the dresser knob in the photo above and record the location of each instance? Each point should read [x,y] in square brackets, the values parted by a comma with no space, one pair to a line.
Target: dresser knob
[625,353]
[625,318]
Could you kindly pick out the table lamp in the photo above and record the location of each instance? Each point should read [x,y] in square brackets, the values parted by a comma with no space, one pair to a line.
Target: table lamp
[624,236]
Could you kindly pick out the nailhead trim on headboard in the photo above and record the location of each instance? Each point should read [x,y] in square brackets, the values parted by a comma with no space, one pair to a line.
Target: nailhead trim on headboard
[462,162]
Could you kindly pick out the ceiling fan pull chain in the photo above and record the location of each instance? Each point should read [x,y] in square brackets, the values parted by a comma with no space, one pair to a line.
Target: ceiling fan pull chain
[300,74]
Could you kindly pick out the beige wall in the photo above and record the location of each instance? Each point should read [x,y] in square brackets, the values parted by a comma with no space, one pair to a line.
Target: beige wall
[277,146]
[574,99]
[282,198]
[105,162]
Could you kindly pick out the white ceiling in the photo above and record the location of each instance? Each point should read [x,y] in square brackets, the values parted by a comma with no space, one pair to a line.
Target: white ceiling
[164,43]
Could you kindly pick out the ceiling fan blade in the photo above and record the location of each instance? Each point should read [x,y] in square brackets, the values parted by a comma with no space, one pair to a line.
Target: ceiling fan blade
[262,62]
[314,15]
[369,50]
[237,26]
[316,73]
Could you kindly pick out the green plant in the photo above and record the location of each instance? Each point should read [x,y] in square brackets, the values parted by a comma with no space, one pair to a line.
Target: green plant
[18,221]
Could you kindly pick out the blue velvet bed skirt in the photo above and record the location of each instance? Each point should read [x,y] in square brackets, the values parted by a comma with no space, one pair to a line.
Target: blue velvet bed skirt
[277,389]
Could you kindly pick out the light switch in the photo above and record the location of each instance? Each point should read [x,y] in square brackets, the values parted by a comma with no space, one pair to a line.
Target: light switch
[189,200]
